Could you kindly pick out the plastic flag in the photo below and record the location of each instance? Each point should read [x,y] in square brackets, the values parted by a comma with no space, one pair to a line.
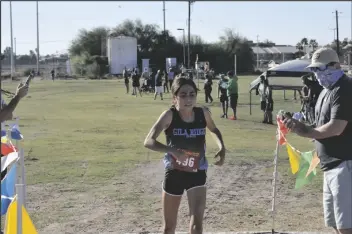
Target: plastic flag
[282,131]
[8,160]
[305,161]
[314,163]
[8,189]
[4,139]
[7,148]
[15,132]
[294,158]
[11,220]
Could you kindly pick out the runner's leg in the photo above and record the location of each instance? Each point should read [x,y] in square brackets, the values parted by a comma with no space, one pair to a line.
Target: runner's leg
[196,201]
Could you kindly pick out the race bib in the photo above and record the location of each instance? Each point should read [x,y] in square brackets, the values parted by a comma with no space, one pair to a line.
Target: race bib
[190,164]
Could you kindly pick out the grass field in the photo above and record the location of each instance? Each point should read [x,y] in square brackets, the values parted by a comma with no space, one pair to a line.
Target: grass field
[88,172]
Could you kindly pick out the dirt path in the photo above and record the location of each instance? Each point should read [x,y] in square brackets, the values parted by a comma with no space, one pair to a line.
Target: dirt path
[239,199]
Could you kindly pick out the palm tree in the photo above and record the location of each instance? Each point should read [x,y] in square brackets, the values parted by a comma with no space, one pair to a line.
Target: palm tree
[314,44]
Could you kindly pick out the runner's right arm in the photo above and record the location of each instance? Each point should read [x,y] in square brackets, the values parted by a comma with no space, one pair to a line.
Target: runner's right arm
[161,124]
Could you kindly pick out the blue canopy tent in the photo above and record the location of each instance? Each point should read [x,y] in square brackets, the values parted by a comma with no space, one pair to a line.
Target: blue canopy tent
[285,76]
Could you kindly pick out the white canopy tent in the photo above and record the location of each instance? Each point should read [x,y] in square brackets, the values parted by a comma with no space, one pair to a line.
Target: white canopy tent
[285,76]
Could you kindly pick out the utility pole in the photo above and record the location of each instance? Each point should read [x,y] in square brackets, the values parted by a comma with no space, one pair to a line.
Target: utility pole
[38,54]
[189,34]
[337,32]
[164,20]
[257,52]
[334,29]
[164,33]
[15,54]
[184,49]
[11,59]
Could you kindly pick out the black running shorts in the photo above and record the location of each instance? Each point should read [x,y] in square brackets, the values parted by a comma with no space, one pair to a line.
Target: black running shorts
[176,182]
[263,105]
[233,100]
[224,98]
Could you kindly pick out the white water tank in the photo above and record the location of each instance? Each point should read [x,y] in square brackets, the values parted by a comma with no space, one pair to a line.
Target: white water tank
[122,52]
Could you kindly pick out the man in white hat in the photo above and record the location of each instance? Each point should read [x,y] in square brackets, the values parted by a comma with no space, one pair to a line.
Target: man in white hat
[332,132]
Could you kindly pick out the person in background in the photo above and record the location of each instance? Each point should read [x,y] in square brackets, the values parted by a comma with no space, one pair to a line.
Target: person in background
[306,100]
[261,91]
[136,70]
[269,107]
[165,82]
[127,81]
[158,85]
[232,93]
[223,83]
[136,84]
[332,134]
[145,75]
[52,74]
[208,88]
[171,76]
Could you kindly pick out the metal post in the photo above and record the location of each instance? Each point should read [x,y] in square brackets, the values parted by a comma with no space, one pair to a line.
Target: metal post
[189,35]
[38,54]
[20,202]
[350,54]
[235,64]
[250,102]
[273,208]
[337,33]
[23,177]
[14,59]
[11,34]
[257,52]
[184,48]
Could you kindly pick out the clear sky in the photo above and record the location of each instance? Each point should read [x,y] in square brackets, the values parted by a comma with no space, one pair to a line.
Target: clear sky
[281,22]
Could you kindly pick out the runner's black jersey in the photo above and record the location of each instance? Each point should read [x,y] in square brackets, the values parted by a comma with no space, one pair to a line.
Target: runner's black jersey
[187,136]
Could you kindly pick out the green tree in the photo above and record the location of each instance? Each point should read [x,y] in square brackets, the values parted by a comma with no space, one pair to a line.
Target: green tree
[91,42]
[233,43]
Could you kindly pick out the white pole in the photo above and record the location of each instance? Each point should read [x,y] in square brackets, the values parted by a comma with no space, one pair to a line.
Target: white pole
[23,177]
[257,52]
[15,53]
[350,55]
[19,192]
[273,209]
[11,34]
[235,64]
[38,54]
[184,48]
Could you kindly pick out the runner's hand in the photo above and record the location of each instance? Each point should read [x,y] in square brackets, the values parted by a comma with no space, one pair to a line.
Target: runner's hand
[221,154]
[22,90]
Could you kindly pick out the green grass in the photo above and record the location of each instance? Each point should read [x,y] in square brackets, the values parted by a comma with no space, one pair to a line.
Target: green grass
[84,133]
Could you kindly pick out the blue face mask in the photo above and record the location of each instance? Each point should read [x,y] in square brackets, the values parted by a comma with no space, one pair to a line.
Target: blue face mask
[328,77]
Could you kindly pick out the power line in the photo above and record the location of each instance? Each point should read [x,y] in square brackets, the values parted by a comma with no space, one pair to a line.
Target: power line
[42,42]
